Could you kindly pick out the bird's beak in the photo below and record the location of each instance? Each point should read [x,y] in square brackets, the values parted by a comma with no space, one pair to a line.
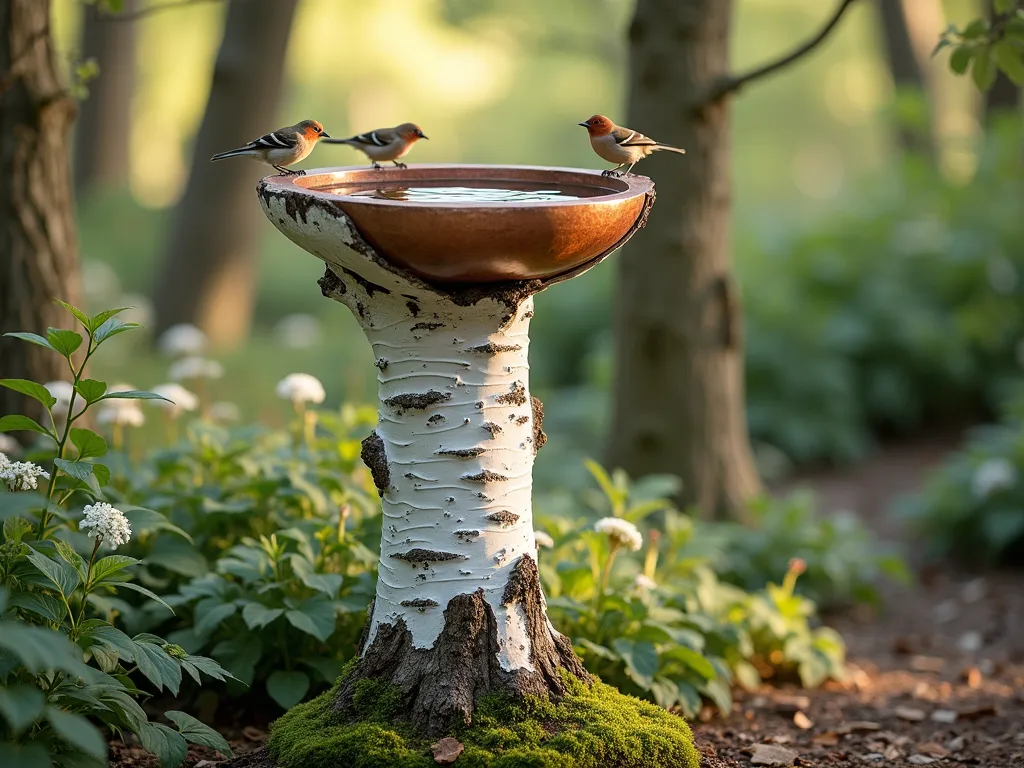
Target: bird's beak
[421,135]
[583,124]
[324,135]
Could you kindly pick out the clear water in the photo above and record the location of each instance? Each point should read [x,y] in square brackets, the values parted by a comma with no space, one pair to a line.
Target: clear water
[485,192]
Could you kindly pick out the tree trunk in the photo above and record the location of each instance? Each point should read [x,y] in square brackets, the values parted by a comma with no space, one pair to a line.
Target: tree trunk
[103,133]
[208,272]
[678,387]
[1004,95]
[38,258]
[906,72]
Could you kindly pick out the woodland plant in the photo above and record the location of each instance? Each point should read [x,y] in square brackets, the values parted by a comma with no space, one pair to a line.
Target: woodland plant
[66,669]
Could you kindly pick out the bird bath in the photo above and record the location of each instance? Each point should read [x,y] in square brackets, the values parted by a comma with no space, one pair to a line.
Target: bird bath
[439,264]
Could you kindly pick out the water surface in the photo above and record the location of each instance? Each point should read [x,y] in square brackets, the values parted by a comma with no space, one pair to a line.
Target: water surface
[484,191]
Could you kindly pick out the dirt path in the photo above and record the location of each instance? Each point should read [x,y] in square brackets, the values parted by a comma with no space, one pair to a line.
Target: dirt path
[937,676]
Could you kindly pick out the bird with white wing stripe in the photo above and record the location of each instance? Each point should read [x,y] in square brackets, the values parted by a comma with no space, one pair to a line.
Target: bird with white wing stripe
[385,143]
[283,147]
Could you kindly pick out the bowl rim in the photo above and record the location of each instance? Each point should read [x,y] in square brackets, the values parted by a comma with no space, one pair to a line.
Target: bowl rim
[635,186]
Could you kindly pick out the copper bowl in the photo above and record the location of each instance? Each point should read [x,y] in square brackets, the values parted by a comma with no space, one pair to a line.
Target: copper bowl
[478,242]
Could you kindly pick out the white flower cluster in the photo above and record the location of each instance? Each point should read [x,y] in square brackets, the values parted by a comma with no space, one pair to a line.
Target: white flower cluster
[180,399]
[124,413]
[993,476]
[543,539]
[224,411]
[642,581]
[104,522]
[194,368]
[20,475]
[621,532]
[301,388]
[181,340]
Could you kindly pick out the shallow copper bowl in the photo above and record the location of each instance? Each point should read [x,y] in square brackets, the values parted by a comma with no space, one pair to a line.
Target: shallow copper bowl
[481,241]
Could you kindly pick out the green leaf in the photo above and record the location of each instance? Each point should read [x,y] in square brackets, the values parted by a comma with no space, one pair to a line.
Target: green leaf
[110,565]
[91,389]
[316,618]
[29,756]
[96,632]
[30,388]
[133,394]
[1010,58]
[158,666]
[974,30]
[145,520]
[211,618]
[41,604]
[97,320]
[80,470]
[641,660]
[613,494]
[110,328]
[1003,527]
[167,744]
[20,504]
[1004,6]
[983,70]
[960,59]
[328,583]
[78,732]
[257,616]
[693,660]
[197,732]
[61,577]
[89,444]
[143,591]
[18,423]
[32,338]
[79,314]
[21,705]
[598,650]
[72,558]
[64,341]
[210,667]
[287,688]
[41,649]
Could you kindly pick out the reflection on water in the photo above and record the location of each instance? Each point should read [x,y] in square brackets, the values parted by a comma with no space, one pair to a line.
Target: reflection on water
[507,192]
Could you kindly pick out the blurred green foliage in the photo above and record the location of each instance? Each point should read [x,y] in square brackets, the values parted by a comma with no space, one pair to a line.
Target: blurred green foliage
[988,46]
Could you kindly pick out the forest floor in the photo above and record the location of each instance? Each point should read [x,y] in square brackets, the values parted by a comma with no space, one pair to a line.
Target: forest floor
[936,673]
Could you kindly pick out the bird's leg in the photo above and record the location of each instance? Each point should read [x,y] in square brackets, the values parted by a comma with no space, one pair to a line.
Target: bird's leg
[284,171]
[630,169]
[376,165]
[299,173]
[399,165]
[612,173]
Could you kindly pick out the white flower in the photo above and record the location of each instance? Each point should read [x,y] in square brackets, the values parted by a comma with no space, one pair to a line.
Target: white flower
[124,412]
[106,523]
[61,391]
[644,582]
[7,445]
[621,532]
[993,476]
[298,331]
[181,400]
[195,368]
[543,540]
[224,411]
[21,475]
[301,388]
[181,340]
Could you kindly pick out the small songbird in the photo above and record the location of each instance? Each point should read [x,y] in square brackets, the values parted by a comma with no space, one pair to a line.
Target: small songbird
[385,143]
[283,147]
[621,145]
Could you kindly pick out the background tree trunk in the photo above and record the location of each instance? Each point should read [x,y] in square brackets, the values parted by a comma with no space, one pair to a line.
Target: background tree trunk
[208,273]
[678,390]
[103,134]
[38,257]
[906,72]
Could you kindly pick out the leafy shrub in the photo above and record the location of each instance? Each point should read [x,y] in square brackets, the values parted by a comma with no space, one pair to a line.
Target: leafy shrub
[973,506]
[64,665]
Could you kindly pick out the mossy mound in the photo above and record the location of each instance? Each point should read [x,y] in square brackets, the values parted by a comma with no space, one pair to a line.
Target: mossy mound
[590,727]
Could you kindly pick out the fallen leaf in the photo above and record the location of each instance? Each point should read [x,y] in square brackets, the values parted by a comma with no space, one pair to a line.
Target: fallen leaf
[802,721]
[858,726]
[789,705]
[932,749]
[909,713]
[826,739]
[254,734]
[769,754]
[982,710]
[920,760]
[955,745]
[947,716]
[447,750]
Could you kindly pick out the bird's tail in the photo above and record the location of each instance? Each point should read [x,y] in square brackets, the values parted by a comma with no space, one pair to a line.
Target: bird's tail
[667,148]
[351,140]
[232,153]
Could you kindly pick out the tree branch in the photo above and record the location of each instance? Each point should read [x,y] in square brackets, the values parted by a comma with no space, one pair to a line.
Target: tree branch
[728,85]
[150,9]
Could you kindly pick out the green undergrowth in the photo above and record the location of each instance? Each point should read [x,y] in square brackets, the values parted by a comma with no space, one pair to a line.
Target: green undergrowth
[590,726]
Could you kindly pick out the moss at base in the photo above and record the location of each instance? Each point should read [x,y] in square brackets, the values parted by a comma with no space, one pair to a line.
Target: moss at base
[589,727]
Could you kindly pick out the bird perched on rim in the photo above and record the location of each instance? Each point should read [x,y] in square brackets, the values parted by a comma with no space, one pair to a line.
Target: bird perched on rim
[621,145]
[283,147]
[385,143]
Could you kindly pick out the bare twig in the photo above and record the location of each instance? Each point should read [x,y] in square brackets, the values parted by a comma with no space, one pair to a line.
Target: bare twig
[728,85]
[151,9]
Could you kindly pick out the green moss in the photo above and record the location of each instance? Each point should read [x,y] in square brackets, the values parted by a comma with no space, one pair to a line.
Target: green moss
[590,727]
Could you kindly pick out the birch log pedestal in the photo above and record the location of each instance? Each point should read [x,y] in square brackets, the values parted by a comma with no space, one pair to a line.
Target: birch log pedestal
[442,286]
